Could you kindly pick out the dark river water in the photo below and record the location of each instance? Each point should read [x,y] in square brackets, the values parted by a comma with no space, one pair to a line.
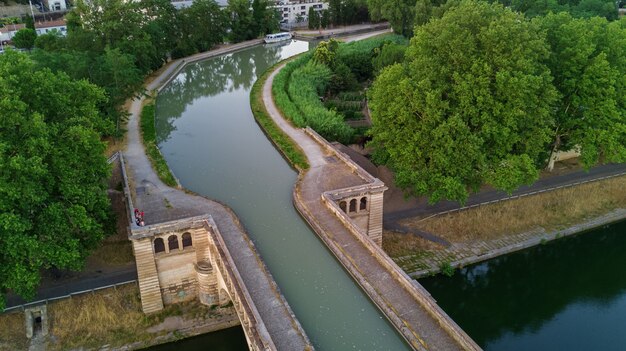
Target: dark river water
[565,295]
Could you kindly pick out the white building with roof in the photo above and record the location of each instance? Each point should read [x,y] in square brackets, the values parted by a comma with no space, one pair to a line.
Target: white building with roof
[291,11]
[7,32]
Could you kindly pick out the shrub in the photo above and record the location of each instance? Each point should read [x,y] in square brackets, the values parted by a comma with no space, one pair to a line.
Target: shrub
[304,87]
[446,269]
[389,54]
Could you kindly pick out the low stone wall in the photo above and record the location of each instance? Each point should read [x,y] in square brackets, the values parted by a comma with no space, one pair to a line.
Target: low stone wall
[413,287]
[177,66]
[520,242]
[343,33]
[256,331]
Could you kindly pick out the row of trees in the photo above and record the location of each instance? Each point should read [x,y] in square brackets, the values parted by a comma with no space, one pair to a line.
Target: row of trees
[62,99]
[53,173]
[404,15]
[339,12]
[487,96]
[114,43]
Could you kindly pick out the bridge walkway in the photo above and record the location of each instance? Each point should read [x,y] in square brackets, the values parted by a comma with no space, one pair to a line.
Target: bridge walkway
[407,305]
[161,203]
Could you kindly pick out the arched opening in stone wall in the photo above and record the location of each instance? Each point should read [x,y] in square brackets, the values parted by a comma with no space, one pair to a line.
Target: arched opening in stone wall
[187,240]
[363,205]
[353,205]
[159,245]
[172,242]
[343,206]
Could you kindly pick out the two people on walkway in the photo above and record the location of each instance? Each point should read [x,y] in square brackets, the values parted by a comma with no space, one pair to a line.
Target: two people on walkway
[139,218]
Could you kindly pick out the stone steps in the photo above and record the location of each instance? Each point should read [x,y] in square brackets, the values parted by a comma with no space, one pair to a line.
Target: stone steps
[151,300]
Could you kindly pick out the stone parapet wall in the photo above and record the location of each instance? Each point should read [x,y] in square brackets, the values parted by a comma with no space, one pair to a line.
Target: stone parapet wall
[373,243]
[373,190]
[256,331]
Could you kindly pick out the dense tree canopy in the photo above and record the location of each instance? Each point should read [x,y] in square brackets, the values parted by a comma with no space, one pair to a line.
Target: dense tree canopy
[53,172]
[578,8]
[24,38]
[399,13]
[241,20]
[471,105]
[588,63]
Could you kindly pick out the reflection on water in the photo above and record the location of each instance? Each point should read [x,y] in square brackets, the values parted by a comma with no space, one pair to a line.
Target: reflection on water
[565,295]
[231,339]
[215,76]
[210,140]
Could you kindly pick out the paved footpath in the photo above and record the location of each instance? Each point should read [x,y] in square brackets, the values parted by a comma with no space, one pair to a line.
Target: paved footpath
[410,314]
[162,203]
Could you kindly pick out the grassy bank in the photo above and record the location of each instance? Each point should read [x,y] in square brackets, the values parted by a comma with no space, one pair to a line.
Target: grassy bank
[548,211]
[290,150]
[148,133]
[108,317]
[13,332]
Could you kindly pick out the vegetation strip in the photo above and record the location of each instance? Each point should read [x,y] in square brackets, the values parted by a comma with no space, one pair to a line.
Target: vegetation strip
[488,231]
[148,133]
[288,148]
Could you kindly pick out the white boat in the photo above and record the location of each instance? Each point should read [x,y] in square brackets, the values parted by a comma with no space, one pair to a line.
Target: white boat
[276,37]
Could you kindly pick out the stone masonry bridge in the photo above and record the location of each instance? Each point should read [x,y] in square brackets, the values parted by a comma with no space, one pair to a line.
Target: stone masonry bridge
[195,248]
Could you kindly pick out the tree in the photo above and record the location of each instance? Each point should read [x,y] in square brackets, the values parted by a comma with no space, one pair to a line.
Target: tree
[117,24]
[264,18]
[326,53]
[29,22]
[470,105]
[53,203]
[241,21]
[314,18]
[201,14]
[399,13]
[588,63]
[334,8]
[51,41]
[24,38]
[325,19]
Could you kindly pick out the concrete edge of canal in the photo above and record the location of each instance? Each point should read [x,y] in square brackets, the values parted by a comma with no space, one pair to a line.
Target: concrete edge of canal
[616,215]
[155,84]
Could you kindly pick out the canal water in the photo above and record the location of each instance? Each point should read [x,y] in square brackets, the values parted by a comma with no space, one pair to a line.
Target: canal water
[569,294]
[207,133]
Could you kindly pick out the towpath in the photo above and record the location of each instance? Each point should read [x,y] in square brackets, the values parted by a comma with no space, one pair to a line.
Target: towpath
[162,203]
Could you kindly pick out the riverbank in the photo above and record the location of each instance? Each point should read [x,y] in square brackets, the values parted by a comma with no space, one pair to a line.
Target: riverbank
[491,230]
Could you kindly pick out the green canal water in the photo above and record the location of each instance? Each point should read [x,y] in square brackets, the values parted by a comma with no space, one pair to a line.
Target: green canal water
[210,140]
[566,295]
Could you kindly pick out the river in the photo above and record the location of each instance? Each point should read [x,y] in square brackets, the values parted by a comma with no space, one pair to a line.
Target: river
[569,294]
[207,134]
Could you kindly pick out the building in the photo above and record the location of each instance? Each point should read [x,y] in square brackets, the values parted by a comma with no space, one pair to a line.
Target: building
[181,4]
[297,11]
[47,27]
[7,33]
[57,5]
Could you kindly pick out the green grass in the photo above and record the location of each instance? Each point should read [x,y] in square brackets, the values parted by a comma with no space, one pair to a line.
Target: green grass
[148,133]
[290,150]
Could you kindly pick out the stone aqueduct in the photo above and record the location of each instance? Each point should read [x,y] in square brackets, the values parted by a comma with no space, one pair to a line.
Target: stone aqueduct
[187,259]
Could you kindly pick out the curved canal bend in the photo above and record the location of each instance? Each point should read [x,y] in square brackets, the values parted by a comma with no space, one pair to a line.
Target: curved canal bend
[207,133]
